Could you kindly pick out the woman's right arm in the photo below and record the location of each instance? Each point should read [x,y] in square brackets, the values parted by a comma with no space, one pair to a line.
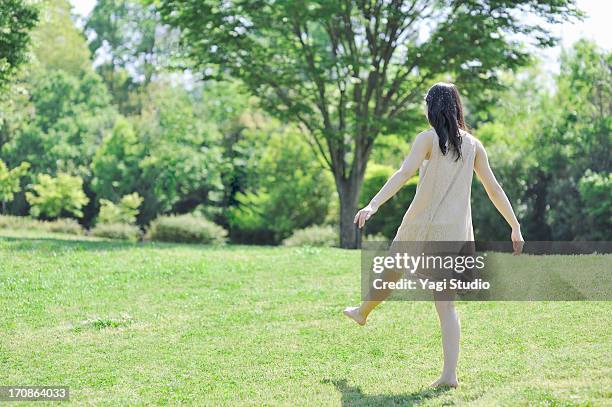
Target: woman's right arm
[497,195]
[421,148]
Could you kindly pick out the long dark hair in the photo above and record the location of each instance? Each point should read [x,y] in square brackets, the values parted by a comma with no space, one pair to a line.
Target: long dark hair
[445,114]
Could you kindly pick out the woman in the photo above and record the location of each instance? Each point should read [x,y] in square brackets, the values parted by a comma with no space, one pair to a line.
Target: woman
[446,157]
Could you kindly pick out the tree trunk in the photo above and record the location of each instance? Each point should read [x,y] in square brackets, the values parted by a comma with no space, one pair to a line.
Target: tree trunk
[348,191]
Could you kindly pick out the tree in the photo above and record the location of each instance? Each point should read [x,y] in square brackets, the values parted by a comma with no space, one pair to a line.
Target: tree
[550,149]
[17,18]
[71,115]
[132,44]
[350,70]
[115,165]
[129,34]
[574,136]
[183,162]
[57,43]
[53,197]
[9,181]
[287,190]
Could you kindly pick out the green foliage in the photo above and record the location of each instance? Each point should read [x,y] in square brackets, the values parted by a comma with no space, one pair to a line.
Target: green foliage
[183,160]
[53,197]
[118,231]
[317,235]
[595,196]
[115,165]
[56,42]
[17,18]
[127,33]
[541,143]
[71,114]
[186,229]
[245,39]
[573,136]
[290,189]
[248,216]
[131,46]
[125,211]
[390,215]
[9,180]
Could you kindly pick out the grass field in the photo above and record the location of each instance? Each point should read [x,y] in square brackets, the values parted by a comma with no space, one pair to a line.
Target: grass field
[144,324]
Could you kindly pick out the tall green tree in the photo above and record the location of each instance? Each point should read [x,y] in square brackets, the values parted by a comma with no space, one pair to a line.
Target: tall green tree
[17,18]
[350,70]
[57,43]
[132,45]
[575,142]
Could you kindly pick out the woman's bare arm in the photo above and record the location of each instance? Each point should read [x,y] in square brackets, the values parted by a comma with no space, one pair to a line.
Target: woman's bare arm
[420,150]
[497,195]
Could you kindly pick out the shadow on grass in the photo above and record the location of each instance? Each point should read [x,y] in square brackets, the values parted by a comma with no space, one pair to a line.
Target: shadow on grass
[353,396]
[59,244]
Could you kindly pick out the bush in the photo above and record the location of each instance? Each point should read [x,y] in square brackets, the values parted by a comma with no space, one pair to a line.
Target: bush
[65,225]
[125,211]
[317,235]
[54,196]
[20,222]
[118,231]
[186,229]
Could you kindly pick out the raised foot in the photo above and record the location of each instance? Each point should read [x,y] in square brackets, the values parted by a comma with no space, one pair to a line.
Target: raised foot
[353,313]
[445,382]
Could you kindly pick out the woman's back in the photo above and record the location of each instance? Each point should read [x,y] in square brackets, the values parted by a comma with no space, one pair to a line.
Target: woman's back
[441,210]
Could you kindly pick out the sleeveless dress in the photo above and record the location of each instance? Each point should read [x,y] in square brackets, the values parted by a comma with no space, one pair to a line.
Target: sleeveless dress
[441,209]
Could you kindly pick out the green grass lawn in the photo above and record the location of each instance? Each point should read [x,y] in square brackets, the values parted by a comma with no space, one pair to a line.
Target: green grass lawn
[123,323]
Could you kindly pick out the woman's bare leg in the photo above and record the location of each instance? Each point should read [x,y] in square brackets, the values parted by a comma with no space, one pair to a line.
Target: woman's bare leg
[451,332]
[375,297]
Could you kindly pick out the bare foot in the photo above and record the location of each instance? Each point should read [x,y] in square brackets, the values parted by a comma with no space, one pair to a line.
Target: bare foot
[353,313]
[445,382]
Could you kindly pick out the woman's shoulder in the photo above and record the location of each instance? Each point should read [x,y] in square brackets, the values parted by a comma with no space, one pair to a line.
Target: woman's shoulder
[470,138]
[427,135]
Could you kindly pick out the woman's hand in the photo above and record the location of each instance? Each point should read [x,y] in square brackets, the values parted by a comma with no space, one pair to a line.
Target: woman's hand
[364,214]
[517,240]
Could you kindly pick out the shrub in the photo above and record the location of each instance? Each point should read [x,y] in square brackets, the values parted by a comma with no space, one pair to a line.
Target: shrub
[65,225]
[54,196]
[317,235]
[187,228]
[19,222]
[118,231]
[125,211]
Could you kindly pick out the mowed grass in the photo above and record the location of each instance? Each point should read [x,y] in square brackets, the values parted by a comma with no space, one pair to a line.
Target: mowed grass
[162,324]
